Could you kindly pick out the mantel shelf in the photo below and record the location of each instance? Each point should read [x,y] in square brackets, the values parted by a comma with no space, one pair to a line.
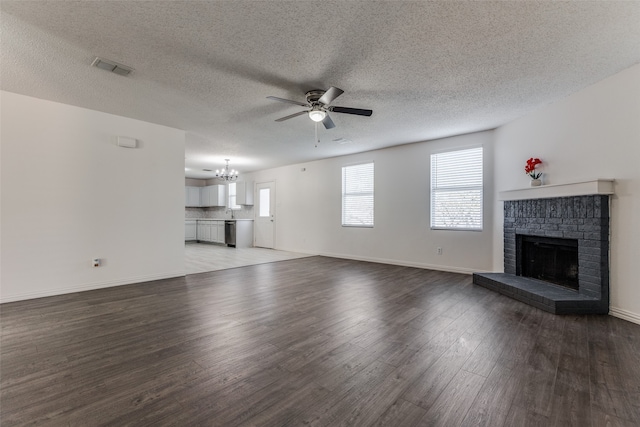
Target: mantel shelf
[586,188]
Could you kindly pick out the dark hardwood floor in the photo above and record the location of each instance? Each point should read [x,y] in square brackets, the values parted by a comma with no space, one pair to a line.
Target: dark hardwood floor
[314,341]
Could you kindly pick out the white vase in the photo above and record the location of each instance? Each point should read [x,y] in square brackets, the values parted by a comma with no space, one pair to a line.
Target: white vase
[536,182]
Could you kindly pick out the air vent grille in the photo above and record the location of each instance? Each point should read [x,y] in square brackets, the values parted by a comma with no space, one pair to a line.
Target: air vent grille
[112,66]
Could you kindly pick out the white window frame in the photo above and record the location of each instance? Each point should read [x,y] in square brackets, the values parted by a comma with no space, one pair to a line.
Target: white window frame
[358,221]
[232,197]
[463,176]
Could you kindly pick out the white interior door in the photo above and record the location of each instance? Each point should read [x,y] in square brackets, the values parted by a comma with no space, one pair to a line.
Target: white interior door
[265,225]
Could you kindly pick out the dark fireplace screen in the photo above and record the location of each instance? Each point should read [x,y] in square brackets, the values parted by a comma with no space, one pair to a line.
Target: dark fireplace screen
[550,259]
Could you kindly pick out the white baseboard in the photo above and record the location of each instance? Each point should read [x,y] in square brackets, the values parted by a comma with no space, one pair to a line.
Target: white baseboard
[402,263]
[88,287]
[624,314]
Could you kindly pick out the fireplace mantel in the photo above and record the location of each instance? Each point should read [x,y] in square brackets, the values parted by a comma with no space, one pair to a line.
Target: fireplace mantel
[586,188]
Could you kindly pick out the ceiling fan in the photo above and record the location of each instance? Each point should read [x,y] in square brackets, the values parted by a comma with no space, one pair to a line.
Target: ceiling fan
[318,106]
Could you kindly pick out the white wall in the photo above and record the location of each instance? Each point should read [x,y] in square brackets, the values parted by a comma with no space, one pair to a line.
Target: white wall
[308,209]
[191,182]
[70,194]
[594,133]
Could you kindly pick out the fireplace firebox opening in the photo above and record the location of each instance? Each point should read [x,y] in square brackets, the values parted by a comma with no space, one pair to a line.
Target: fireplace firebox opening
[553,260]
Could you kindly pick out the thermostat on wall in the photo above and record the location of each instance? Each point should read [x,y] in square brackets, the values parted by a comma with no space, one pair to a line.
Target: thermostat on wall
[123,141]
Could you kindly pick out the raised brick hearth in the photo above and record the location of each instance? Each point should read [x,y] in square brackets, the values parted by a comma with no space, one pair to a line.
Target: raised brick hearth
[585,218]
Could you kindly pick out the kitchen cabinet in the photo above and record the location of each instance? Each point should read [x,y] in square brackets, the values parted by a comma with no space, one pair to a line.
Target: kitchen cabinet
[211,231]
[244,193]
[204,231]
[244,233]
[220,233]
[192,196]
[213,195]
[190,230]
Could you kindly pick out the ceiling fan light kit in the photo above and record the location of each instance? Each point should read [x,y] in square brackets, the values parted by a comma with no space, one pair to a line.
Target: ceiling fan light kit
[317,115]
[318,106]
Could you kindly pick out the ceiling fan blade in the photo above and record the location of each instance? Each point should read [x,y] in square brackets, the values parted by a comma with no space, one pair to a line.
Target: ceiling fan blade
[288,101]
[291,116]
[356,111]
[328,123]
[331,94]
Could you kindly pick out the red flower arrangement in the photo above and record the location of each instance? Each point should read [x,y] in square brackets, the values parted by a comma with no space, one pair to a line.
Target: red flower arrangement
[530,168]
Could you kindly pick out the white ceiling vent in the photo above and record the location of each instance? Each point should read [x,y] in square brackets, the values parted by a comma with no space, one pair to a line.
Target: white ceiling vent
[126,142]
[112,66]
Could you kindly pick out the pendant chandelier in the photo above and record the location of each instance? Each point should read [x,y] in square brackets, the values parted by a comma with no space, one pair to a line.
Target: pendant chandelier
[226,174]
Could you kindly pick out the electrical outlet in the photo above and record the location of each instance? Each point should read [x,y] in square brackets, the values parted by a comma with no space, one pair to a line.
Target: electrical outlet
[439,251]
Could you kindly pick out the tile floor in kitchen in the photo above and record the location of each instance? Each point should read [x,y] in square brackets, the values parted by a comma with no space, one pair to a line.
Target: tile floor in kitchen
[203,257]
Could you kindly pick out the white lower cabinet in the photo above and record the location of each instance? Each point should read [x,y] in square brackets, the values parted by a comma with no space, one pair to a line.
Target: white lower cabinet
[211,231]
[204,231]
[244,234]
[220,227]
[190,230]
[214,232]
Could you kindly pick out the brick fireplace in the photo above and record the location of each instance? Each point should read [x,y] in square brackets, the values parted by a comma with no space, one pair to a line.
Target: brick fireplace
[566,221]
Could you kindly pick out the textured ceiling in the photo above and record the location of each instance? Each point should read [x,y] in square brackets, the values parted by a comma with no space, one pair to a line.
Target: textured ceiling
[426,69]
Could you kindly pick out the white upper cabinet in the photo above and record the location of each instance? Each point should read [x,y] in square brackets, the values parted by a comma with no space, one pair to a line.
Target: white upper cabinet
[192,196]
[205,193]
[213,195]
[244,193]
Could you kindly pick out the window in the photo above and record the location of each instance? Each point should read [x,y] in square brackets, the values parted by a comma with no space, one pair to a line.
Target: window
[231,203]
[456,190]
[265,202]
[357,195]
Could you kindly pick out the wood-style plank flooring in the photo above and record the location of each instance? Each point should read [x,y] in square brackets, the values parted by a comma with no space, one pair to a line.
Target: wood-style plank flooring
[204,257]
[314,341]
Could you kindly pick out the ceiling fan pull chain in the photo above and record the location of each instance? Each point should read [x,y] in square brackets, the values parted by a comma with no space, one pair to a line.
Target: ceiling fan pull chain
[317,141]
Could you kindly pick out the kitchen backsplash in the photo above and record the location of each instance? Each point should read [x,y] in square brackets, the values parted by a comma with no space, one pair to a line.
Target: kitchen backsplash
[246,212]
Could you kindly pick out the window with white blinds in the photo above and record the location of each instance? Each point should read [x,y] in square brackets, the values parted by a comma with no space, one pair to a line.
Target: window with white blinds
[456,190]
[357,195]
